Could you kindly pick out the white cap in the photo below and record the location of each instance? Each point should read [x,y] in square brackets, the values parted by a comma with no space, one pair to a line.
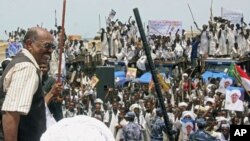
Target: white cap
[182,104]
[184,74]
[98,100]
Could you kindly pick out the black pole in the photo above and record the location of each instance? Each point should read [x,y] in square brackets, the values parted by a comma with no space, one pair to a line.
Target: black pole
[153,71]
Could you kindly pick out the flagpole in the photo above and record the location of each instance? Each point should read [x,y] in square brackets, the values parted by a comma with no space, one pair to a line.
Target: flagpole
[99,21]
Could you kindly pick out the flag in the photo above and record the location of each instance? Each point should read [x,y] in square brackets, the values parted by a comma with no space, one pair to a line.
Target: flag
[232,70]
[112,14]
[245,79]
[240,75]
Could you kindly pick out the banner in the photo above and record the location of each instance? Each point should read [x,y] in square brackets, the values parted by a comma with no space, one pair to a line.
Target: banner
[232,15]
[93,81]
[164,27]
[234,99]
[131,73]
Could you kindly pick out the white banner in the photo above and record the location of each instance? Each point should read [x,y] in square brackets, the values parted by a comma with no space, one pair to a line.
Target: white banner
[164,27]
[232,15]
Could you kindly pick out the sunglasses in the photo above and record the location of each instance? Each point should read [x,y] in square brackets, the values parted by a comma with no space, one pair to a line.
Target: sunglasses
[46,45]
[49,45]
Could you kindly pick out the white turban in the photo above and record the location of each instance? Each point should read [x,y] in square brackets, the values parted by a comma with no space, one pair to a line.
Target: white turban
[188,113]
[229,80]
[98,100]
[79,128]
[133,106]
[182,104]
[235,92]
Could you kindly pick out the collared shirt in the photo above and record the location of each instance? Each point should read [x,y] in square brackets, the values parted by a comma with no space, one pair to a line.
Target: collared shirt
[131,132]
[20,84]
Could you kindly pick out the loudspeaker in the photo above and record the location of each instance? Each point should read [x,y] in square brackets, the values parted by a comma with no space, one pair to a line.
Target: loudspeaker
[106,80]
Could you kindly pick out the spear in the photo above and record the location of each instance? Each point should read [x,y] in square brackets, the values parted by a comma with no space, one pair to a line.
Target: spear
[61,45]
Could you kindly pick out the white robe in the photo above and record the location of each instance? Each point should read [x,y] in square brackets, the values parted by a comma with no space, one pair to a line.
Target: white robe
[204,43]
[104,46]
[222,42]
[113,122]
[119,131]
[212,44]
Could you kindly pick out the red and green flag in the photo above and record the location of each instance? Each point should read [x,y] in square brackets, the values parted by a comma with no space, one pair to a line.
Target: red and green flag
[240,75]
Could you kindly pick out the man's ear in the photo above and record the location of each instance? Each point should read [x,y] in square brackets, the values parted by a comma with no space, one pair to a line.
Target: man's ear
[28,44]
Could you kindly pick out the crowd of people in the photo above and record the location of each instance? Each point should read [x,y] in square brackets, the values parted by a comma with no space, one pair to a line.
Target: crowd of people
[132,112]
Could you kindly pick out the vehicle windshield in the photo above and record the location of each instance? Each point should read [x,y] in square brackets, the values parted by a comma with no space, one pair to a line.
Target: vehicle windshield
[217,68]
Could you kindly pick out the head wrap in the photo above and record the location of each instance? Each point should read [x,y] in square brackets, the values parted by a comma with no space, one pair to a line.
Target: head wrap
[229,80]
[78,128]
[182,104]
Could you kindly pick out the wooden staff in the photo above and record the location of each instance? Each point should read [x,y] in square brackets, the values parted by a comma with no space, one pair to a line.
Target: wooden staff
[61,42]
[55,19]
[211,11]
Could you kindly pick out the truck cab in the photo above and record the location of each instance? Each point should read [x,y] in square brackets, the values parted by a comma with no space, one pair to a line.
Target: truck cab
[218,67]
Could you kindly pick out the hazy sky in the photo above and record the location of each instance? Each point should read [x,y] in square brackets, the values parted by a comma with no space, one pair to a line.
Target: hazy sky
[82,16]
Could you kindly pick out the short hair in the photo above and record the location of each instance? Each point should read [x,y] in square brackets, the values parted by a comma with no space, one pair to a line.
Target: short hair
[31,34]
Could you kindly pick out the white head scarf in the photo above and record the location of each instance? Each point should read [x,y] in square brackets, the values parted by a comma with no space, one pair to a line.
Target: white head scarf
[78,128]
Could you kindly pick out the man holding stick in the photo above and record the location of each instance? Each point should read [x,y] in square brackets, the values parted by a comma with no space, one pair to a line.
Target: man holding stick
[23,105]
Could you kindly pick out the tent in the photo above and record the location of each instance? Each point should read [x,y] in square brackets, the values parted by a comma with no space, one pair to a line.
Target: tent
[147,77]
[120,78]
[210,74]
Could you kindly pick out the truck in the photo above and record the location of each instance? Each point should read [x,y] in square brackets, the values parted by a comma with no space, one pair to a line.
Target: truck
[218,67]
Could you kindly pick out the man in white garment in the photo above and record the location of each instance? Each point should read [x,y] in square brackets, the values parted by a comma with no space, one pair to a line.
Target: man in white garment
[204,43]
[233,102]
[111,118]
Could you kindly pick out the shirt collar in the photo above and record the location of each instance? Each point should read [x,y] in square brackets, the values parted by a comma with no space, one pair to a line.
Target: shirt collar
[30,56]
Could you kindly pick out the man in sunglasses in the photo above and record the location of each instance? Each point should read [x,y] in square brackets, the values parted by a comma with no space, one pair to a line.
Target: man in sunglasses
[23,107]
